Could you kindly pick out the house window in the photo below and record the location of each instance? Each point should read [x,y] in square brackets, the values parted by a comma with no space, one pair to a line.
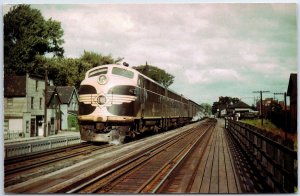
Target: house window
[27,126]
[41,103]
[36,85]
[9,102]
[6,125]
[31,105]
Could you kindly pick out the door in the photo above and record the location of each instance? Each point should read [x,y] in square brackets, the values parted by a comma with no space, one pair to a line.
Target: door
[142,95]
[32,128]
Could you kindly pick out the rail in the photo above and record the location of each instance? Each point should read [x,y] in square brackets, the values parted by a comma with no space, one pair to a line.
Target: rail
[13,150]
[273,160]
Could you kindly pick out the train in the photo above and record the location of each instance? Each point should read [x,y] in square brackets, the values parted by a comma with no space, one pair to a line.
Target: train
[118,102]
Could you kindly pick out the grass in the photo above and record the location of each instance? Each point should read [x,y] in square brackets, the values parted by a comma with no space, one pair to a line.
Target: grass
[270,127]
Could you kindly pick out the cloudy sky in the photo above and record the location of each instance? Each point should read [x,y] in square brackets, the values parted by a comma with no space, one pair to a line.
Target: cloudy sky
[212,49]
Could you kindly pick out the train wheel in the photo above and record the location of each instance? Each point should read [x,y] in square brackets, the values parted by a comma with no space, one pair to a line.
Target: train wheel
[131,133]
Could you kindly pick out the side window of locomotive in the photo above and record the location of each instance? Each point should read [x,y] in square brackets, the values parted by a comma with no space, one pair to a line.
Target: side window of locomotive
[122,72]
[98,72]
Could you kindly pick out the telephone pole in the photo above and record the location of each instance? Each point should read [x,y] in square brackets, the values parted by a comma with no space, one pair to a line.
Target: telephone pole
[261,105]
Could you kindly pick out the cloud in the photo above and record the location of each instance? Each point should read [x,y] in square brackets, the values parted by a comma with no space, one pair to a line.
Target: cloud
[211,76]
[233,48]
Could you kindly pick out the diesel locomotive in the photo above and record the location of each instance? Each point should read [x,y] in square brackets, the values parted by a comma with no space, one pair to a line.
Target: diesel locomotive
[116,102]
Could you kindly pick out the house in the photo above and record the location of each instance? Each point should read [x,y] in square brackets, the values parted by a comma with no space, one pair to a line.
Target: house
[23,105]
[69,104]
[292,93]
[53,111]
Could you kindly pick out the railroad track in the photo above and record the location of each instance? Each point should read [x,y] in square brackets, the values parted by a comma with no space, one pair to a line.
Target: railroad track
[120,162]
[16,168]
[150,171]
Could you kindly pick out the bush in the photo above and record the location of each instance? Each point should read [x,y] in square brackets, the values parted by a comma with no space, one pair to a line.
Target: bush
[73,123]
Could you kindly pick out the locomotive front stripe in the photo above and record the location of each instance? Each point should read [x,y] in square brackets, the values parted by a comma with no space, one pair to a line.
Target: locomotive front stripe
[111,99]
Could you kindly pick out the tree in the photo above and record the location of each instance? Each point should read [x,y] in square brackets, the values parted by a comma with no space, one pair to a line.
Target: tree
[206,108]
[70,71]
[26,35]
[95,59]
[228,100]
[155,73]
[215,107]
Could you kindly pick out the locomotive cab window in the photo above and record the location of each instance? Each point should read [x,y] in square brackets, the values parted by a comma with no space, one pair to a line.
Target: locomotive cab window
[122,72]
[98,72]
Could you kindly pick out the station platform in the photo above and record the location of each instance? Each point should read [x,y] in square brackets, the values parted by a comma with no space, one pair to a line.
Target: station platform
[216,173]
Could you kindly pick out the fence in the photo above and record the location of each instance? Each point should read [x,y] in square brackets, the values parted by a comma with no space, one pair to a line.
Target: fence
[273,160]
[36,146]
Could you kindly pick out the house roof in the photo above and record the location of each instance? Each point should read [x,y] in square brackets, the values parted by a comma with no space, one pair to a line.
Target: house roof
[51,92]
[239,104]
[65,93]
[14,86]
[292,87]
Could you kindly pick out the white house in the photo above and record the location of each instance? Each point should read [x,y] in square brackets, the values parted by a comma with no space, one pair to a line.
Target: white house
[69,103]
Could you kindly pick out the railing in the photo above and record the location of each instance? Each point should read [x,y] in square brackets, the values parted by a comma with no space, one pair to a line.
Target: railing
[13,135]
[275,161]
[36,146]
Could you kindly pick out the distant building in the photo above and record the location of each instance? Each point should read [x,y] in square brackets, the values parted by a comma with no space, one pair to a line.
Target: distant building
[23,105]
[239,107]
[292,93]
[265,105]
[222,111]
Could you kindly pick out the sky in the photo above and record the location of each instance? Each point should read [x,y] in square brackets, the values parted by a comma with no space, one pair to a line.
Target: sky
[212,50]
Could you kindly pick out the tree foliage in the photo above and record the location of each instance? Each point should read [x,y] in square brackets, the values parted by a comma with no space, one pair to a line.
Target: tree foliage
[26,35]
[70,71]
[95,59]
[206,108]
[228,100]
[155,73]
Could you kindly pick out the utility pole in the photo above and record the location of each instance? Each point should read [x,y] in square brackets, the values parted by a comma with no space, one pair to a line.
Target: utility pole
[261,105]
[45,102]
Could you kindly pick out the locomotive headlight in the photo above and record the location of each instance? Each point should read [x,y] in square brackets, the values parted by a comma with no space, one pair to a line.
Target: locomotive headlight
[102,79]
[101,100]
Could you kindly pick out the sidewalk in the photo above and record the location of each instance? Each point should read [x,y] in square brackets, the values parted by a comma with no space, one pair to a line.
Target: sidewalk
[216,173]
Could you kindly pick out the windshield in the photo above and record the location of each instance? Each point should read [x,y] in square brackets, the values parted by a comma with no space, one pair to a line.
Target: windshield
[122,72]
